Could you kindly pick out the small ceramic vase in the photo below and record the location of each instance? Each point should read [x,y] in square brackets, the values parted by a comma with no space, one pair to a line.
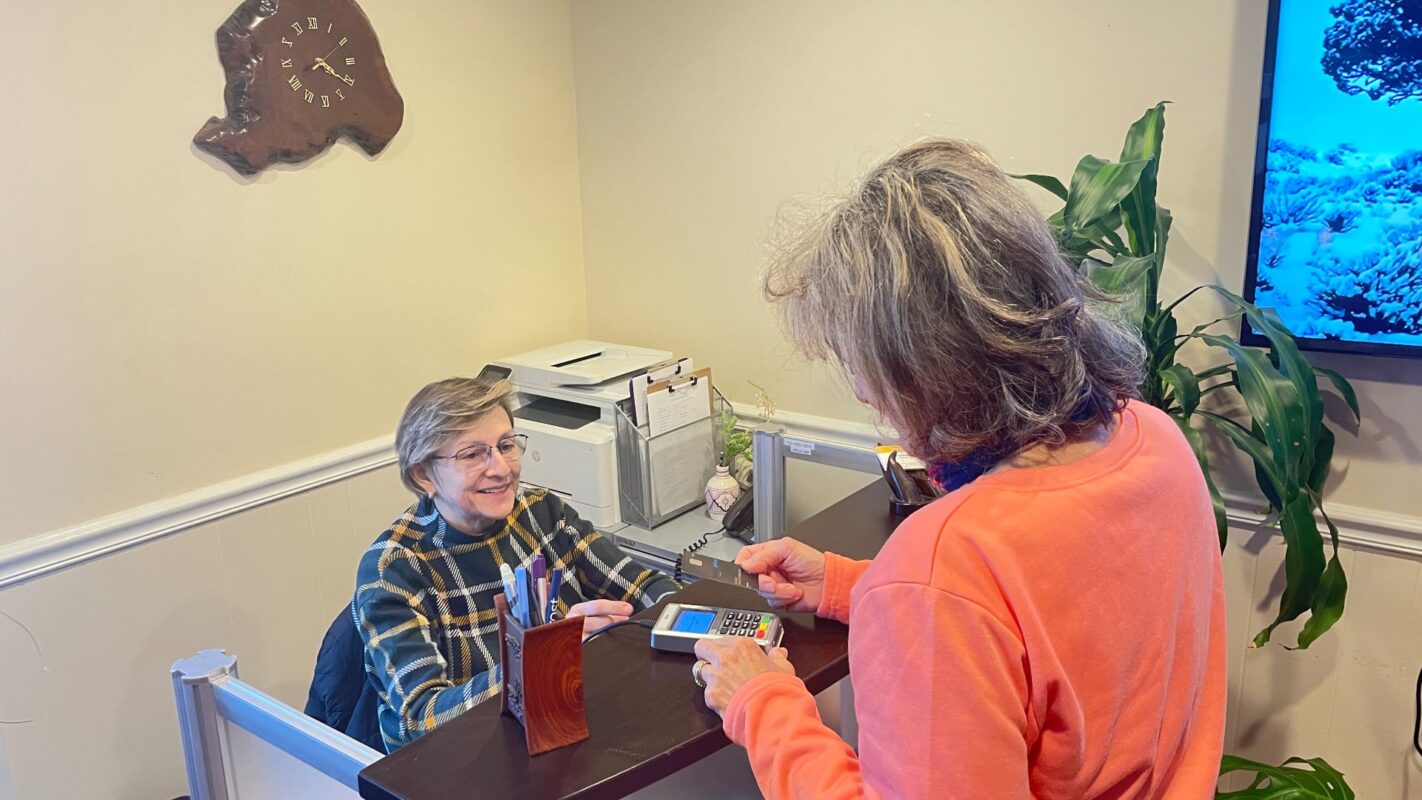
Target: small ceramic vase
[721,491]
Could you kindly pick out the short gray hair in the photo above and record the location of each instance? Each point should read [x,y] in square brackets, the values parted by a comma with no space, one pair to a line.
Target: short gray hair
[439,412]
[941,287]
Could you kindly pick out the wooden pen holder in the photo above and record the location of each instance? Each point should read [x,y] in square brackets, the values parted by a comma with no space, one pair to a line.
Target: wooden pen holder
[542,684]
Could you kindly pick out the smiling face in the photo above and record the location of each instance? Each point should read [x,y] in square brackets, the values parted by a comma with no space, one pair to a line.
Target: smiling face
[470,496]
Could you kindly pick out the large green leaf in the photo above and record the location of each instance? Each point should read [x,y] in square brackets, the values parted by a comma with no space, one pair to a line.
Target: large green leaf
[1048,182]
[1246,442]
[1160,342]
[1075,249]
[1143,143]
[1332,587]
[1197,444]
[1103,234]
[1285,355]
[1327,602]
[1163,221]
[1322,460]
[1125,279]
[1216,371]
[1097,187]
[1344,388]
[1186,386]
[1303,563]
[1125,274]
[1275,406]
[1284,351]
[1284,782]
[1266,485]
[1146,135]
[1093,239]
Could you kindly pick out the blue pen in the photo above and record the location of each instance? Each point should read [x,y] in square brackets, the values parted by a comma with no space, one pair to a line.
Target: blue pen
[554,583]
[525,596]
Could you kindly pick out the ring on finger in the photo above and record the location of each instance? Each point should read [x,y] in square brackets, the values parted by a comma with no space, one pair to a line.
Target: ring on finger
[696,672]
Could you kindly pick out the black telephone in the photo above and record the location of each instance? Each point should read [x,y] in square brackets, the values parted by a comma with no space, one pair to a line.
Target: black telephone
[912,489]
[740,518]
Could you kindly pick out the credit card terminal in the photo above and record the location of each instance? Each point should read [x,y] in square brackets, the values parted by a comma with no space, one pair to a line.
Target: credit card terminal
[680,625]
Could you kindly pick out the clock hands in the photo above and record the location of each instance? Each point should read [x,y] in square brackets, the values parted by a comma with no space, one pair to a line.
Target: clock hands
[321,64]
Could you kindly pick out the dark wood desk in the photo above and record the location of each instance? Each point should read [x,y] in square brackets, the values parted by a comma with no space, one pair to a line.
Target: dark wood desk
[646,717]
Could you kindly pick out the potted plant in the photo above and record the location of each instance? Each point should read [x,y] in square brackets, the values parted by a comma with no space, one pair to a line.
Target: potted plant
[1111,225]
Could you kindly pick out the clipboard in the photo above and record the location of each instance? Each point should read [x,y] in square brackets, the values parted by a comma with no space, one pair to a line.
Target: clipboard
[678,402]
[637,386]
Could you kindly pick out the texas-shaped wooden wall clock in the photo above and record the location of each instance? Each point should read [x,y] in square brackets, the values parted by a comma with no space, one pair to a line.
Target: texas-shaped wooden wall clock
[300,74]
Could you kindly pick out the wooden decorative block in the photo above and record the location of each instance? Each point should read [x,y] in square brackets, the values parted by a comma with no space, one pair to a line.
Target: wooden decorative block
[542,685]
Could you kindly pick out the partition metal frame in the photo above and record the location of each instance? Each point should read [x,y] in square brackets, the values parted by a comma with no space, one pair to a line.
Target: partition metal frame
[770,447]
[208,691]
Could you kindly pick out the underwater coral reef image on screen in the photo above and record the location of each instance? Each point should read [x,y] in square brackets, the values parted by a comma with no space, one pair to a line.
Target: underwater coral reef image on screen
[1336,237]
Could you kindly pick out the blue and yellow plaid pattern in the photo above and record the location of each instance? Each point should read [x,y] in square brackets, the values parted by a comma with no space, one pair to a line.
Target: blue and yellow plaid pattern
[424,602]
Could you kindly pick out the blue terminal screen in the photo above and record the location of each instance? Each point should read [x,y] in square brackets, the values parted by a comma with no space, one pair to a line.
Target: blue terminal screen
[694,621]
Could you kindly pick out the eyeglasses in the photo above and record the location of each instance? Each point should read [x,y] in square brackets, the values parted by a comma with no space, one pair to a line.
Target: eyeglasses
[479,456]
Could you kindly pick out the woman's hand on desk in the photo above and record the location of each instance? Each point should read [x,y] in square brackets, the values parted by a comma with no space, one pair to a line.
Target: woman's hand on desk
[600,613]
[792,573]
[731,661]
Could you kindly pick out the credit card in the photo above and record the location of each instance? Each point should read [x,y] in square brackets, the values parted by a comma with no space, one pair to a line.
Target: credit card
[720,571]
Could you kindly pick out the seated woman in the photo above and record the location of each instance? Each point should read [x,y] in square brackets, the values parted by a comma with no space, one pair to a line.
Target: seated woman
[1053,627]
[424,600]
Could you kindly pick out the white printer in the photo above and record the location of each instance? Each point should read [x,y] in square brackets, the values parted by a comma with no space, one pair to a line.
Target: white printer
[567,397]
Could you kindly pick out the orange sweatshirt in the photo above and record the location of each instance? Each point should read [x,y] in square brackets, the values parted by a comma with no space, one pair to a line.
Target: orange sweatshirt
[1051,632]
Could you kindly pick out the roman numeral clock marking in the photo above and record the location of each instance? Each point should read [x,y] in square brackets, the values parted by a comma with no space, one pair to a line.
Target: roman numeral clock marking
[314,64]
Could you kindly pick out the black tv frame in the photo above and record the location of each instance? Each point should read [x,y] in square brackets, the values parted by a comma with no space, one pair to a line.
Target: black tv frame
[1247,335]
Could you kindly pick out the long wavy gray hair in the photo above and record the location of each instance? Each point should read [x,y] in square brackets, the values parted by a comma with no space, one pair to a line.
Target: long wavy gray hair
[939,286]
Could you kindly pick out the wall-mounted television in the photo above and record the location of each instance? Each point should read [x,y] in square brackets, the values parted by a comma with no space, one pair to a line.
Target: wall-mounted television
[1335,239]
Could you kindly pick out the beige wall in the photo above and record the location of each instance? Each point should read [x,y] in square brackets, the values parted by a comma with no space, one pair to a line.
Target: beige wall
[697,122]
[165,325]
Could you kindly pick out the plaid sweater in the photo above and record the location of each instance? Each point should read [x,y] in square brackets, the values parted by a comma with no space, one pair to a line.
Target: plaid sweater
[424,602]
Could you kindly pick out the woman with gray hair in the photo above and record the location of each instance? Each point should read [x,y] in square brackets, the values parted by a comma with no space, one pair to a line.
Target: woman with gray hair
[424,599]
[1053,627]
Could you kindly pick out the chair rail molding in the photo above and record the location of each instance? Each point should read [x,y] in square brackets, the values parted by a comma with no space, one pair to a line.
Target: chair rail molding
[46,553]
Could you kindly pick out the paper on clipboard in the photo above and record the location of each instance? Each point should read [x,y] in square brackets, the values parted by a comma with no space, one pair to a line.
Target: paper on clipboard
[681,401]
[658,372]
[681,441]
